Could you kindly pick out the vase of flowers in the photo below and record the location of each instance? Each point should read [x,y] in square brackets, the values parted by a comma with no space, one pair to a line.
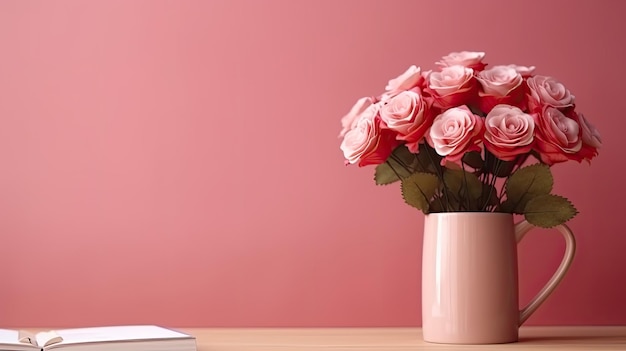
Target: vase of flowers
[471,146]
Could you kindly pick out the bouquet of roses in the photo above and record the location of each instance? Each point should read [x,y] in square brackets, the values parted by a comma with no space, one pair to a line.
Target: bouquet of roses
[459,138]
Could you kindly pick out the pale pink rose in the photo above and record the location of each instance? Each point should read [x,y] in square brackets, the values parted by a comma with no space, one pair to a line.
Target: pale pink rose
[367,143]
[452,86]
[407,80]
[558,137]
[426,74]
[406,114]
[591,136]
[499,80]
[548,91]
[450,79]
[591,139]
[469,59]
[524,71]
[508,132]
[500,85]
[349,121]
[455,132]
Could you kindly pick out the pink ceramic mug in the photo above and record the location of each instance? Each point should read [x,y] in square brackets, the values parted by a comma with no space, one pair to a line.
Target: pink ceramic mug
[469,277]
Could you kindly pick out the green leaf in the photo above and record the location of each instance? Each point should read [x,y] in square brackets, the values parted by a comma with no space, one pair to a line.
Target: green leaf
[549,210]
[400,163]
[525,184]
[418,189]
[510,206]
[405,156]
[504,169]
[462,183]
[473,159]
[385,174]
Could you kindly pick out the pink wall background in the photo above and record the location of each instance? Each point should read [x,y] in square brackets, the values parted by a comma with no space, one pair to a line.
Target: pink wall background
[177,162]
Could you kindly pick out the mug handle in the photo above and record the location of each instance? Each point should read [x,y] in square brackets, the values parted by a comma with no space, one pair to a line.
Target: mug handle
[521,229]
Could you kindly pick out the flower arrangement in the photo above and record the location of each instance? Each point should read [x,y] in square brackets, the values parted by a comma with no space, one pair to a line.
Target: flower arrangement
[460,138]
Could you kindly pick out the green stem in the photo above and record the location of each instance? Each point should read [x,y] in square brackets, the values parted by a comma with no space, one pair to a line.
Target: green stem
[492,183]
[467,197]
[486,167]
[440,175]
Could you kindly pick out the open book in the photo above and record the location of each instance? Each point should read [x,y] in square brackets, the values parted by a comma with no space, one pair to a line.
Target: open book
[114,338]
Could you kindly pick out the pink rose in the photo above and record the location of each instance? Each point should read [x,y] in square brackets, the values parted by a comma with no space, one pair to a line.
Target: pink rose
[407,80]
[349,121]
[558,137]
[426,74]
[591,138]
[524,71]
[500,85]
[406,113]
[468,59]
[455,132]
[452,86]
[499,80]
[508,132]
[367,143]
[547,91]
[450,79]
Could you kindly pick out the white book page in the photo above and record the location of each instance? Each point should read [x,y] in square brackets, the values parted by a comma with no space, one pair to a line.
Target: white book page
[8,336]
[12,337]
[117,333]
[47,338]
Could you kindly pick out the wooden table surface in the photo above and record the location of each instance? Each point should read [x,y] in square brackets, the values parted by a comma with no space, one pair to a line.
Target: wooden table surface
[396,339]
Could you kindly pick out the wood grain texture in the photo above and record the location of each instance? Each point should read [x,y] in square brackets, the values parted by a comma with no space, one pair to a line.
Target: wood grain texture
[395,339]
